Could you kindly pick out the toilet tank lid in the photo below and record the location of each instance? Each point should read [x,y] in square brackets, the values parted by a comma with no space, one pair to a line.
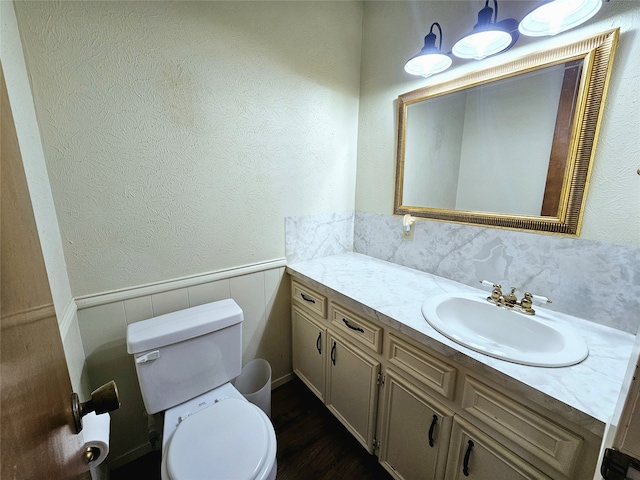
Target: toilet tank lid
[182,325]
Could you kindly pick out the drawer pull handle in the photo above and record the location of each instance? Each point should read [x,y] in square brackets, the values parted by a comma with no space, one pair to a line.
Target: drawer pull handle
[357,329]
[465,463]
[333,353]
[307,299]
[318,342]
[431,429]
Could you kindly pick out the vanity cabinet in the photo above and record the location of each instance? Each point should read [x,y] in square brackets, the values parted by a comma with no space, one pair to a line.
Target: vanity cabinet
[476,456]
[309,346]
[353,372]
[352,389]
[415,430]
[309,337]
[425,415]
[338,360]
[538,439]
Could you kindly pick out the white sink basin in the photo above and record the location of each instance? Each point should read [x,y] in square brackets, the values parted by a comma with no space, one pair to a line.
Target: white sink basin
[537,340]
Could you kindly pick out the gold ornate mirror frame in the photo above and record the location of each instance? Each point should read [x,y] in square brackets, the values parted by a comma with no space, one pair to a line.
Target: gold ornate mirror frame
[597,55]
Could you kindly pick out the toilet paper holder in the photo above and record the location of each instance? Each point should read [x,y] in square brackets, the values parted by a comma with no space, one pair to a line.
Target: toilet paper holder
[91,453]
[103,399]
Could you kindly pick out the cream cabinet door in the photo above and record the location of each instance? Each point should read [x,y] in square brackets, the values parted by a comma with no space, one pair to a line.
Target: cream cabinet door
[352,389]
[308,345]
[415,431]
[474,455]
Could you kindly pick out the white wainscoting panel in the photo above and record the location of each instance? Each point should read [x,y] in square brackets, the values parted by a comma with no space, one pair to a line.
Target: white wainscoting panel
[261,291]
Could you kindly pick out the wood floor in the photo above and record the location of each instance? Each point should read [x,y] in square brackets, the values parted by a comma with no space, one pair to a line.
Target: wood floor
[312,444]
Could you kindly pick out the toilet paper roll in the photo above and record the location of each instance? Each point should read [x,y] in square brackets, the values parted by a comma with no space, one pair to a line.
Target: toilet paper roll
[95,432]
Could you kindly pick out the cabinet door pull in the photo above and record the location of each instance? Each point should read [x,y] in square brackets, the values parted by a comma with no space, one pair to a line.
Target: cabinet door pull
[307,299]
[318,342]
[431,429]
[357,329]
[465,463]
[333,353]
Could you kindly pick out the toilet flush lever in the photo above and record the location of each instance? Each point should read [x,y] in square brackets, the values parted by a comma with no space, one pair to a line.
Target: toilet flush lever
[147,357]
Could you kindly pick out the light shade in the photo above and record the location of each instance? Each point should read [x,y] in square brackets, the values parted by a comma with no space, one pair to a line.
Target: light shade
[430,60]
[488,36]
[482,44]
[555,16]
[427,64]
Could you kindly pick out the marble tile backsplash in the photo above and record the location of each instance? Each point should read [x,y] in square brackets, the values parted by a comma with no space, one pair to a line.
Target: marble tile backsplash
[316,236]
[596,281]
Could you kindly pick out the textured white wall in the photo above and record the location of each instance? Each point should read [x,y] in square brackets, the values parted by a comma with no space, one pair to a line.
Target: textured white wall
[393,32]
[178,135]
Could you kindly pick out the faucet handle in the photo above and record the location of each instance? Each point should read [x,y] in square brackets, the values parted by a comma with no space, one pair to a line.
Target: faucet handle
[496,293]
[529,299]
[538,299]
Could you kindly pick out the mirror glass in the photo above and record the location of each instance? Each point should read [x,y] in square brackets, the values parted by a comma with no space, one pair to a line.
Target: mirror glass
[510,146]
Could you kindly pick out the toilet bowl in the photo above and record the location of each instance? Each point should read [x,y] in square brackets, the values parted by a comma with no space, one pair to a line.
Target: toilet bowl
[184,361]
[218,435]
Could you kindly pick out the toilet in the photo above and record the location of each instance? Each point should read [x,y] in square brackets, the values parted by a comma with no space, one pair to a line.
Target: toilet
[185,361]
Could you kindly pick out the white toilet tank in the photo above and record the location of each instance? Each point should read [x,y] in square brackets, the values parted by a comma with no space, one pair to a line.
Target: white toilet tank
[183,354]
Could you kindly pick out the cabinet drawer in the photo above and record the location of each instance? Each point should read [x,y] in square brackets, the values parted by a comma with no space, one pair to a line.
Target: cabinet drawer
[435,374]
[355,327]
[542,438]
[314,301]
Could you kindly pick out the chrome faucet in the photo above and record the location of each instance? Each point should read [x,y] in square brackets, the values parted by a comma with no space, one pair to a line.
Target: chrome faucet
[511,301]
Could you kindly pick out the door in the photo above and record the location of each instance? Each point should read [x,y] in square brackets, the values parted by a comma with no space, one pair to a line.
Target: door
[352,389]
[415,431]
[308,345]
[476,456]
[36,439]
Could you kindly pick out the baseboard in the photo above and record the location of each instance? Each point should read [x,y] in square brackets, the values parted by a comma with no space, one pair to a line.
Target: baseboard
[278,382]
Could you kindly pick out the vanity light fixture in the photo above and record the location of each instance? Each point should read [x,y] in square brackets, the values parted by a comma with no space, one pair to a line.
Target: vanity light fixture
[430,59]
[555,16]
[488,36]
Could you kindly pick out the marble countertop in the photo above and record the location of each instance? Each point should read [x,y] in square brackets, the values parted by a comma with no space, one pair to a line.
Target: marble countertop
[394,295]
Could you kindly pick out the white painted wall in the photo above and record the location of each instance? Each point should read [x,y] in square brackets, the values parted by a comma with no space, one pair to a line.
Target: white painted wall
[178,135]
[393,32]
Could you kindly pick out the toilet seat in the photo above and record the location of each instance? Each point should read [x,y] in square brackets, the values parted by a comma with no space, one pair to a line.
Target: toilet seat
[231,439]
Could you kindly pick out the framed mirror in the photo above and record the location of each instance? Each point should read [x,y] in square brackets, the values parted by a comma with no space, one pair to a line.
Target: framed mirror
[510,146]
